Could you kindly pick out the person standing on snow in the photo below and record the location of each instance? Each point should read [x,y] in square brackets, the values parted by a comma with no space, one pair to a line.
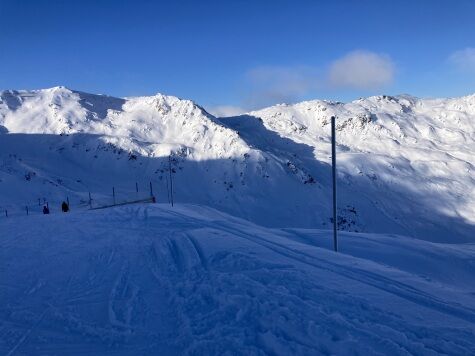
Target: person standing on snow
[64,207]
[45,210]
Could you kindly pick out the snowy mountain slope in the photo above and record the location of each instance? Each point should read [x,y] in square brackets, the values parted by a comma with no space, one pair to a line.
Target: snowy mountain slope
[64,142]
[147,125]
[191,280]
[102,141]
[405,164]
[413,158]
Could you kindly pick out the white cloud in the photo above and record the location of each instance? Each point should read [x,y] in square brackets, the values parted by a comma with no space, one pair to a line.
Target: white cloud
[361,70]
[226,110]
[464,59]
[269,85]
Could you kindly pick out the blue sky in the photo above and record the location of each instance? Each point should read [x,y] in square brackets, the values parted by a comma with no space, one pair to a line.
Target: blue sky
[244,54]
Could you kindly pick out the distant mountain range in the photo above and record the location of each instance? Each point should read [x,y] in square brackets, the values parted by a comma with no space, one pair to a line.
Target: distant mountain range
[405,165]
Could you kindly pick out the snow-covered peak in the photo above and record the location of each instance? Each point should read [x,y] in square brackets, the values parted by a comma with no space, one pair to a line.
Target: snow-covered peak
[403,119]
[153,125]
[419,152]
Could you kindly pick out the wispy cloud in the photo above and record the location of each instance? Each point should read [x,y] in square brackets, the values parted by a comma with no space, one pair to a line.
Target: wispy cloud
[361,70]
[226,110]
[269,85]
[464,59]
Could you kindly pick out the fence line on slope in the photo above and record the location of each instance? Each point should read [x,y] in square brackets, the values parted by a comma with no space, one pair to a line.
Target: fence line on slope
[118,196]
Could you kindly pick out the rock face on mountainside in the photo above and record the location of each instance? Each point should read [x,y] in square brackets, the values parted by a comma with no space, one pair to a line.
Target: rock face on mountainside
[405,165]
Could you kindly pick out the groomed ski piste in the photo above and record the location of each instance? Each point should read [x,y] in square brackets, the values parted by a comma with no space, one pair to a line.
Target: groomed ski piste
[149,279]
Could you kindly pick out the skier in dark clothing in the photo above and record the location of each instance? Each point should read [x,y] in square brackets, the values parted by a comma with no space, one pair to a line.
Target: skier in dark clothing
[45,209]
[65,207]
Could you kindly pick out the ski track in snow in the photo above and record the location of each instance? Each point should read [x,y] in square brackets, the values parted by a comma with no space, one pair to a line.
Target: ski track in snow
[191,280]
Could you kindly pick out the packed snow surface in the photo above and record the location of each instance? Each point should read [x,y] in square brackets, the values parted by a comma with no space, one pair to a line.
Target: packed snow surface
[405,165]
[156,280]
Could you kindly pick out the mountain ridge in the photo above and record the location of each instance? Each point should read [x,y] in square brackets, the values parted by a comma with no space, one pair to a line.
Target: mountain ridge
[405,164]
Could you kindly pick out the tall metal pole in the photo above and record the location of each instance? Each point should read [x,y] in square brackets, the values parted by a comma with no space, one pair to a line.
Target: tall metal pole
[168,190]
[335,223]
[171,179]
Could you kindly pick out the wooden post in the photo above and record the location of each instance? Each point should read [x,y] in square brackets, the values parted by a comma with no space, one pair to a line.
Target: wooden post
[90,201]
[113,194]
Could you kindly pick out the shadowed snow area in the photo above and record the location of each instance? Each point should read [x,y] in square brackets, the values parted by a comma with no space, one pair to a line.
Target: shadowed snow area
[150,279]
